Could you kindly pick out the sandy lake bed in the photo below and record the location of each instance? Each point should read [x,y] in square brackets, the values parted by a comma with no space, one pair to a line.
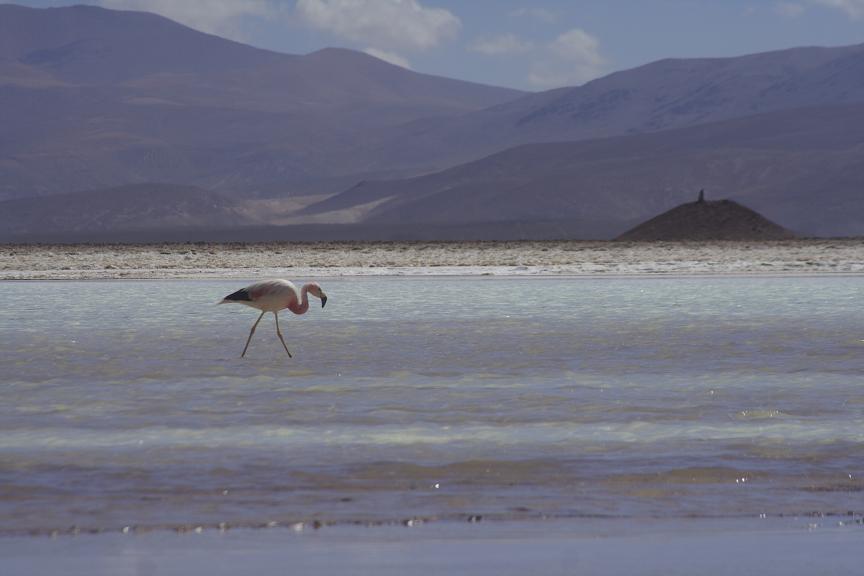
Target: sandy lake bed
[206,260]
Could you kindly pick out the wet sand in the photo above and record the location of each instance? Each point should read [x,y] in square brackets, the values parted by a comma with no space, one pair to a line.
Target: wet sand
[206,260]
[593,546]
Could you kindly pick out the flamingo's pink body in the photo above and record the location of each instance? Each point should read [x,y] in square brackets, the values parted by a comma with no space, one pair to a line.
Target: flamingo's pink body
[273,296]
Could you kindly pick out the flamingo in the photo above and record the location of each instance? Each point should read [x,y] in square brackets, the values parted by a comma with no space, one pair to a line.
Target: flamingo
[273,296]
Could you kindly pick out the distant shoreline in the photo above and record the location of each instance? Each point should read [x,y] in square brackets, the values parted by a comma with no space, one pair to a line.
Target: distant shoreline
[417,258]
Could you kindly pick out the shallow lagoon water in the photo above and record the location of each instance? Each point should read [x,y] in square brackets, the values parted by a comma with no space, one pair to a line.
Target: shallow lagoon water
[126,403]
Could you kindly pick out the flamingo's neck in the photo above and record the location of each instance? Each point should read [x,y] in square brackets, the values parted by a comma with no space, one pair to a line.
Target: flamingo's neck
[302,306]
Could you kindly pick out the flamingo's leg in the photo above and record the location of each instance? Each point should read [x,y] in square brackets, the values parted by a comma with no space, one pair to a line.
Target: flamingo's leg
[279,333]
[250,334]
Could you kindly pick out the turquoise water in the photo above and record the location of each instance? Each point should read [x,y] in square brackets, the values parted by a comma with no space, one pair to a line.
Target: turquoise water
[126,403]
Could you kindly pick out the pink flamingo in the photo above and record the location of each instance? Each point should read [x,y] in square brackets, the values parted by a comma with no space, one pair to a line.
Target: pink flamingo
[273,296]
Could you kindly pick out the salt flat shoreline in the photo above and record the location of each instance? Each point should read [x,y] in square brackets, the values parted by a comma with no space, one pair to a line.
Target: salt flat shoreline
[528,258]
[712,547]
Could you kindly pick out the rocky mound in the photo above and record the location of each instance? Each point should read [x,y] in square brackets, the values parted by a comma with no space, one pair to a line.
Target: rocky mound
[703,220]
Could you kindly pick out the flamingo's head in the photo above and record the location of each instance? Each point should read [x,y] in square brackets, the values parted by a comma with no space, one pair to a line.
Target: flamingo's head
[316,291]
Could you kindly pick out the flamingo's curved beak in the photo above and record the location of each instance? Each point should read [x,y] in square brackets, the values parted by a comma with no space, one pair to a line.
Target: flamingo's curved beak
[323,299]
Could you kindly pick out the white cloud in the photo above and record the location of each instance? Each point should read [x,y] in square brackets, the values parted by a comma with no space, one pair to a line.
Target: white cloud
[572,58]
[789,9]
[390,57]
[539,14]
[222,17]
[382,23]
[503,44]
[854,8]
[578,45]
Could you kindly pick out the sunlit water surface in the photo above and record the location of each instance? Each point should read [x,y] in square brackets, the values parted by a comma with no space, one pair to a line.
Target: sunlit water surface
[126,403]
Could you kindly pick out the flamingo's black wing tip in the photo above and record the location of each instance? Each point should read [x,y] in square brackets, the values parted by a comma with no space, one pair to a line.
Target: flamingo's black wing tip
[241,295]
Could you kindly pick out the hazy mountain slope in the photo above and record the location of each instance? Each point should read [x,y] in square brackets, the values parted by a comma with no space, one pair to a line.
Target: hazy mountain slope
[87,44]
[93,97]
[800,168]
[662,95]
[132,207]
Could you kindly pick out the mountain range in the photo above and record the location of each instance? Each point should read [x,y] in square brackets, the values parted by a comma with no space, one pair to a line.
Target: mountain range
[130,121]
[95,98]
[664,95]
[803,167]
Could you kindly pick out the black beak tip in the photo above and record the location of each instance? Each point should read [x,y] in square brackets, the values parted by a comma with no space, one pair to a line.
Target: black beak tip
[323,301]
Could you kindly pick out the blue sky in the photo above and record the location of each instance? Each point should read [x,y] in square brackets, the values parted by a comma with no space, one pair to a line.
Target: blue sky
[533,45]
